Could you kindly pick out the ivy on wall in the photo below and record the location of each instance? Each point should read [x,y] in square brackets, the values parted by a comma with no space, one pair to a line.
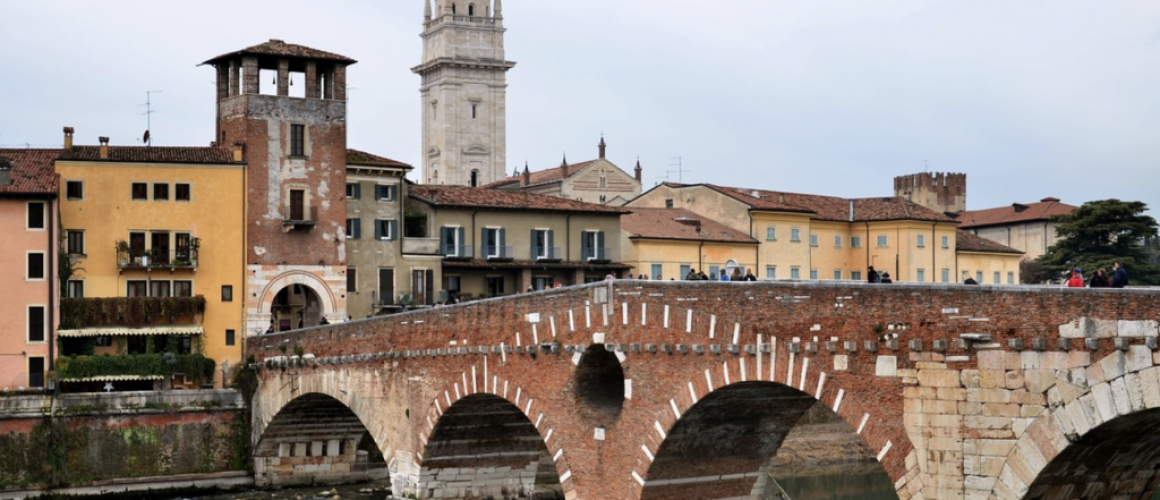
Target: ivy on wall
[134,312]
[195,366]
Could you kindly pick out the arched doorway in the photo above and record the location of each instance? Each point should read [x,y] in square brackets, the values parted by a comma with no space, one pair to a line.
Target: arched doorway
[295,306]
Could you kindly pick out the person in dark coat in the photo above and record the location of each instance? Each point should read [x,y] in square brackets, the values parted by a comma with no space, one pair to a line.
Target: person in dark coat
[1099,279]
[872,276]
[749,275]
[692,276]
[885,278]
[970,281]
[1120,277]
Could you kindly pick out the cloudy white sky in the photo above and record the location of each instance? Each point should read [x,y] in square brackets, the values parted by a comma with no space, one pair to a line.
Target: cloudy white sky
[1030,98]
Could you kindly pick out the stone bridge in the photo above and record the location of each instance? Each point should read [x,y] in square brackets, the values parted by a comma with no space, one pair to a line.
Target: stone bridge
[685,390]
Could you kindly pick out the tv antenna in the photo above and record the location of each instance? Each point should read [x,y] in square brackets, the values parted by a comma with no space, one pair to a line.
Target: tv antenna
[145,138]
[679,171]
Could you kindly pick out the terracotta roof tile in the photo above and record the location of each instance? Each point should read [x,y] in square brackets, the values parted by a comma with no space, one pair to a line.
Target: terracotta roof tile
[32,171]
[678,224]
[151,154]
[1015,213]
[278,48]
[834,208]
[356,157]
[544,176]
[968,242]
[459,196]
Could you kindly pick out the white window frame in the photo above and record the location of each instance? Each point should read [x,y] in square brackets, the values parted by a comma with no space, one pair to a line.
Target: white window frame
[855,242]
[813,239]
[770,233]
[837,274]
[814,274]
[69,198]
[43,262]
[542,243]
[795,273]
[497,249]
[770,272]
[838,241]
[946,242]
[795,235]
[921,241]
[28,323]
[43,216]
[883,241]
[921,275]
[946,275]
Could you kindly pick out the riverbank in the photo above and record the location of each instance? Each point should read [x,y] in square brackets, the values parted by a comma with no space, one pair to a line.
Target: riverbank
[141,487]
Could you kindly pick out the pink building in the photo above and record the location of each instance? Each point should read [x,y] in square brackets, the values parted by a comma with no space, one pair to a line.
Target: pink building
[29,247]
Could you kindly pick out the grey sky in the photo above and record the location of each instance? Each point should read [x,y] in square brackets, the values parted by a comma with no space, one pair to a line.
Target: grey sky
[1029,98]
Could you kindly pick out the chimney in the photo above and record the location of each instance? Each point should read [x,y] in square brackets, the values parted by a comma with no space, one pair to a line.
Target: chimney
[527,177]
[564,165]
[5,172]
[104,148]
[637,170]
[602,147]
[239,152]
[68,136]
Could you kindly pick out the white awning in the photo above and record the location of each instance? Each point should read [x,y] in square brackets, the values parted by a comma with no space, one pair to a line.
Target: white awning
[123,330]
[114,378]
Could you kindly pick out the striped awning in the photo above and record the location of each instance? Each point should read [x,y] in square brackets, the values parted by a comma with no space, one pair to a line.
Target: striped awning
[114,378]
[124,330]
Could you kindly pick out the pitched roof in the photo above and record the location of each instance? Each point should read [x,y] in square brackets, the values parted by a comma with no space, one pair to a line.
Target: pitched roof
[32,171]
[1015,213]
[496,199]
[356,157]
[832,207]
[151,154]
[678,224]
[278,48]
[968,242]
[545,176]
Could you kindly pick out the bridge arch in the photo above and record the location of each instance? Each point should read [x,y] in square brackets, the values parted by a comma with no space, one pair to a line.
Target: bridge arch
[1098,436]
[477,430]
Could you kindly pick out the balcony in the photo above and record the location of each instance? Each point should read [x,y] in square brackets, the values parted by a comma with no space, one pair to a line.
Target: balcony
[185,258]
[299,219]
[458,252]
[541,254]
[495,252]
[597,254]
[130,312]
[421,246]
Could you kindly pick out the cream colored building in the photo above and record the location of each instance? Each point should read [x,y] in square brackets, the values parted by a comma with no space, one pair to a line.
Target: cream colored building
[668,243]
[594,181]
[824,237]
[1023,226]
[464,88]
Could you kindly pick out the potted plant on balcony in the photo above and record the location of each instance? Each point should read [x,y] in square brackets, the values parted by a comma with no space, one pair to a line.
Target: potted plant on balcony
[122,252]
[194,246]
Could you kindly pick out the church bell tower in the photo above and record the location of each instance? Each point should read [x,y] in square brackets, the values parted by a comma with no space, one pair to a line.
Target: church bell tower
[464,87]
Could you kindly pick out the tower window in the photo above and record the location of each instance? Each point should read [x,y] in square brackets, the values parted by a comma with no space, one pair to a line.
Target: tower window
[453,9]
[474,178]
[473,112]
[297,139]
[471,10]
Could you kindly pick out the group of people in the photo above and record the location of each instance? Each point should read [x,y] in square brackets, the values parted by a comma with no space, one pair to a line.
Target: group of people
[1100,279]
[695,275]
[875,277]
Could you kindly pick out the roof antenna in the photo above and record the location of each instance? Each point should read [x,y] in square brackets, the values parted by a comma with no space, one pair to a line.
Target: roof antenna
[148,116]
[679,171]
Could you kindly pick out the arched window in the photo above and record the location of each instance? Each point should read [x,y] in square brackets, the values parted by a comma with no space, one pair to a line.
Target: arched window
[474,178]
[452,9]
[470,10]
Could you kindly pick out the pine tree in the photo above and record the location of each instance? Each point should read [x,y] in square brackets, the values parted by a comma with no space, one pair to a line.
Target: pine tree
[1099,233]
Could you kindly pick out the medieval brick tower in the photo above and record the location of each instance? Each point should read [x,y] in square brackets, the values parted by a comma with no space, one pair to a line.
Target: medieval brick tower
[941,192]
[294,143]
[464,87]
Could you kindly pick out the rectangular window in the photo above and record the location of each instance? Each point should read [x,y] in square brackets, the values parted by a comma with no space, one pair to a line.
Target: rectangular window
[353,190]
[946,275]
[996,278]
[795,235]
[1010,278]
[838,274]
[182,192]
[385,230]
[76,289]
[36,329]
[856,242]
[813,240]
[297,139]
[227,293]
[351,279]
[140,191]
[136,288]
[713,272]
[386,193]
[76,242]
[856,275]
[770,272]
[921,241]
[946,242]
[36,372]
[353,229]
[183,288]
[297,205]
[35,265]
[813,274]
[837,242]
[979,277]
[183,252]
[592,245]
[35,215]
[159,289]
[160,192]
[386,286]
[543,244]
[231,338]
[160,250]
[771,233]
[921,275]
[74,190]
[795,273]
[883,241]
[685,270]
[137,247]
[492,243]
[669,203]
[452,241]
[657,271]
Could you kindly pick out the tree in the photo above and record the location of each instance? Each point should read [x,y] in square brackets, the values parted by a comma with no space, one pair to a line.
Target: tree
[1099,233]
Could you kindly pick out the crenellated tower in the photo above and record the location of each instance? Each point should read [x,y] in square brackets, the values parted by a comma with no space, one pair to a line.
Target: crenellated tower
[464,88]
[941,192]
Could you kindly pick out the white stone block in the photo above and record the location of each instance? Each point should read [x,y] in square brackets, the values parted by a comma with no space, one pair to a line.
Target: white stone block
[1139,358]
[1135,391]
[332,448]
[1137,329]
[1030,360]
[1150,386]
[841,363]
[1079,417]
[316,448]
[886,366]
[1114,365]
[1120,396]
[1104,401]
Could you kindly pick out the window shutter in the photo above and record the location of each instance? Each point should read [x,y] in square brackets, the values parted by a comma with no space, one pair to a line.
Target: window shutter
[535,244]
[483,242]
[379,229]
[394,230]
[447,238]
[551,244]
[600,245]
[393,192]
[356,229]
[585,246]
[502,242]
[462,237]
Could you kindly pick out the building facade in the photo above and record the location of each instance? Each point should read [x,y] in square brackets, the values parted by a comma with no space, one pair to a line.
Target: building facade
[497,243]
[945,193]
[1026,227]
[29,221]
[391,264]
[669,243]
[464,88]
[594,181]
[295,149]
[159,229]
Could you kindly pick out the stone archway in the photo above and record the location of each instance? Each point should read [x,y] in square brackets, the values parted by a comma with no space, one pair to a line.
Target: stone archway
[308,299]
[313,438]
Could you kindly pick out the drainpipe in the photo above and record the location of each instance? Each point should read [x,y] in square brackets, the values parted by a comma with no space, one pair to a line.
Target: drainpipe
[933,251]
[756,250]
[700,258]
[867,245]
[53,254]
[897,252]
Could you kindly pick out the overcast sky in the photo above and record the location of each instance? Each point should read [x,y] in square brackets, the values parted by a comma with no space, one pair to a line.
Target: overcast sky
[1030,98]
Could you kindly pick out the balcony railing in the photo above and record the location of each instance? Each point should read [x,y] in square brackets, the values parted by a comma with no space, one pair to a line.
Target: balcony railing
[597,254]
[546,254]
[306,220]
[173,259]
[133,312]
[421,246]
[495,252]
[458,251]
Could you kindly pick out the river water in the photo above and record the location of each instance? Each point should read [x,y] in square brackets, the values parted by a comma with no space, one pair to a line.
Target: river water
[366,491]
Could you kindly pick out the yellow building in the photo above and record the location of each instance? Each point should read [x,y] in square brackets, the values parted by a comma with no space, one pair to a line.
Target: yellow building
[988,262]
[158,227]
[668,243]
[818,237]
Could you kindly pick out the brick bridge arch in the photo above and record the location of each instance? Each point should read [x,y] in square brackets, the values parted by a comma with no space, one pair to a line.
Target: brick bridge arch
[931,375]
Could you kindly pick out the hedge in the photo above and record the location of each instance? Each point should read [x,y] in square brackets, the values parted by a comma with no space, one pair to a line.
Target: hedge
[196,366]
[133,312]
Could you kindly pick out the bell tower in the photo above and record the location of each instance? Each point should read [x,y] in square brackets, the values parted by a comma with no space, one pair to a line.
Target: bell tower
[464,88]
